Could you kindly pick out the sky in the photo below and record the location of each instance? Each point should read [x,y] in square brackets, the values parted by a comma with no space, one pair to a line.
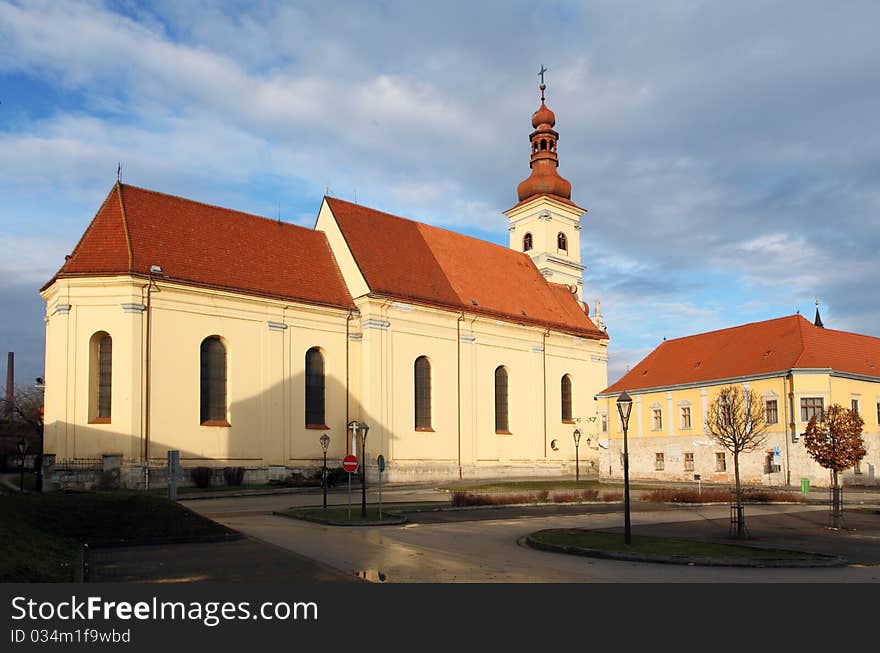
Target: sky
[728,153]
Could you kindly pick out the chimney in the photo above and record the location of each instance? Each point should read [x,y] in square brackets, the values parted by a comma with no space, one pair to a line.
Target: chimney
[10,384]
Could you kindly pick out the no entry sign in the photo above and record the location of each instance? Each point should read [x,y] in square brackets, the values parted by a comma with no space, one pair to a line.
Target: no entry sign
[350,464]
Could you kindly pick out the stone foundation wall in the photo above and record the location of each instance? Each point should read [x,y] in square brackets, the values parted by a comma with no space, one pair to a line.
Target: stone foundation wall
[754,468]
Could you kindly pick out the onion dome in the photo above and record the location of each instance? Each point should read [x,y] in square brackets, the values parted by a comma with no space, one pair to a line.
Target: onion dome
[544,179]
[543,116]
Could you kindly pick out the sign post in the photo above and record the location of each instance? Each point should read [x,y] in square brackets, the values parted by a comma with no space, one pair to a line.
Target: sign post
[349,464]
[380,461]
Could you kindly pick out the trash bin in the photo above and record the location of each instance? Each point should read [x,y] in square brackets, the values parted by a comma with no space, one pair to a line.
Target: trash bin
[805,486]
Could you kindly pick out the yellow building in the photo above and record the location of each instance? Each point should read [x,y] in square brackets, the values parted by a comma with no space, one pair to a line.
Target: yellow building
[797,368]
[239,340]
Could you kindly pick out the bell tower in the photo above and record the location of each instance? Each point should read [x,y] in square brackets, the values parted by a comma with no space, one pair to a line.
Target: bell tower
[545,224]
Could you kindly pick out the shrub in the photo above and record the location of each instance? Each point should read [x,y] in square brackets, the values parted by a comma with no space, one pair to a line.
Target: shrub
[460,499]
[201,476]
[577,495]
[233,475]
[542,495]
[611,496]
[687,495]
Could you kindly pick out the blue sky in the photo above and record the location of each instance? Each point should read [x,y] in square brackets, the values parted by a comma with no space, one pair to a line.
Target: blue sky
[728,153]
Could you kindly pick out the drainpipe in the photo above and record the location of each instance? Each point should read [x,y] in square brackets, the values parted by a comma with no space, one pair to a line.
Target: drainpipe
[458,383]
[544,365]
[347,364]
[789,409]
[147,383]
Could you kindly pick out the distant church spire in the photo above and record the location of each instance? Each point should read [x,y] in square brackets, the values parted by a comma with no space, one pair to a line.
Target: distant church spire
[818,321]
[544,178]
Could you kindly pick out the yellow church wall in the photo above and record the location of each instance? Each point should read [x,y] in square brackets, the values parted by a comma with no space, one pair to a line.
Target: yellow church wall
[354,280]
[266,342]
[76,310]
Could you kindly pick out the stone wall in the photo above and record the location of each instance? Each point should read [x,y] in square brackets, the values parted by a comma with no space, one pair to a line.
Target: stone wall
[756,468]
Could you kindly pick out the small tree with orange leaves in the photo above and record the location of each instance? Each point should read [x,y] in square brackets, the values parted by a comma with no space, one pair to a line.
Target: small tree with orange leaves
[835,442]
[735,420]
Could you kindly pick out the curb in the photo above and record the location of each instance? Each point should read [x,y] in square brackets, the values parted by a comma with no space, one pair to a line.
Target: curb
[395,521]
[819,560]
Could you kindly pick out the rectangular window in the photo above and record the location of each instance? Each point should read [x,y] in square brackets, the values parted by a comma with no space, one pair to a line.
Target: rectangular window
[658,419]
[720,462]
[878,412]
[810,407]
[688,462]
[857,468]
[658,462]
[771,412]
[604,422]
[855,406]
[685,417]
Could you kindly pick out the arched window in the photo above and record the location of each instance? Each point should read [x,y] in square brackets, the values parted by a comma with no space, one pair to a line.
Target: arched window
[562,242]
[501,422]
[213,385]
[423,393]
[527,242]
[315,388]
[100,377]
[566,398]
[543,144]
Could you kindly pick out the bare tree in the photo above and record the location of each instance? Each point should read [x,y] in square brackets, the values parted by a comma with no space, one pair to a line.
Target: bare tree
[835,442]
[735,420]
[26,407]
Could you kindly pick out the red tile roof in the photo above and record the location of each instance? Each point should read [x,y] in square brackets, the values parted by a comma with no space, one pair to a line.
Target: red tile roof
[759,348]
[209,246]
[412,261]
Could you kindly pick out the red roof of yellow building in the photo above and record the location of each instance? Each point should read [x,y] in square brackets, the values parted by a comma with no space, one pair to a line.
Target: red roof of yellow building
[779,345]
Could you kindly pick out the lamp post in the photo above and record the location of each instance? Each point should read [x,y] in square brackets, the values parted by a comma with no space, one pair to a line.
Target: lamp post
[577,463]
[364,429]
[624,406]
[22,450]
[325,442]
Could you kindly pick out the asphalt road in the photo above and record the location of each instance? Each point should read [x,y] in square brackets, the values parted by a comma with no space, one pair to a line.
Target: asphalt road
[485,546]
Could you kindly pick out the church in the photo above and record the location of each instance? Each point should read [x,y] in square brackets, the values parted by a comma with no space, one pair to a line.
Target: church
[240,340]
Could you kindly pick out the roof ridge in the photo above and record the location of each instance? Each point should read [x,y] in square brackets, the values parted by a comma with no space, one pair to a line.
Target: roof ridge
[125,226]
[425,224]
[220,208]
[731,328]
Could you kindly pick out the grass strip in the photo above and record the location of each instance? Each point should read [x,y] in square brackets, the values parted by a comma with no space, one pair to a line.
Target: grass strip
[660,546]
[40,535]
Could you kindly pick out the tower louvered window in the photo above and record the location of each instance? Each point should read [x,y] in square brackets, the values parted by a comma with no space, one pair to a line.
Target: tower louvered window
[562,242]
[501,422]
[422,393]
[213,380]
[314,387]
[527,242]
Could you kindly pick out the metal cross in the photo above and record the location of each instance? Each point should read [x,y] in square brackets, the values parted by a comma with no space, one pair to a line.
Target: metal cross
[541,73]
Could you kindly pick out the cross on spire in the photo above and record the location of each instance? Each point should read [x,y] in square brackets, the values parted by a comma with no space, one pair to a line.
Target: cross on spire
[543,85]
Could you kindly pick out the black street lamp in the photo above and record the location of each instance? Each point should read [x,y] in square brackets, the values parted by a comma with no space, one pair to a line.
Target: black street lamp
[624,406]
[22,451]
[364,429]
[325,442]
[577,464]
